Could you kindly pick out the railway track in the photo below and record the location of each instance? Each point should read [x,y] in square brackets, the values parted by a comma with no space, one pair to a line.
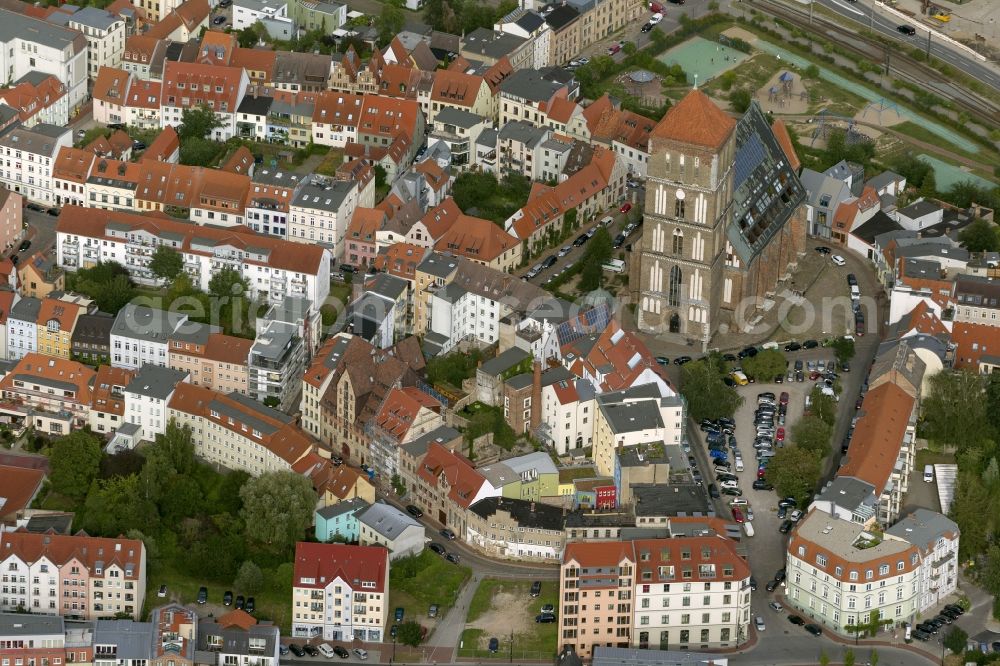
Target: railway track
[901,65]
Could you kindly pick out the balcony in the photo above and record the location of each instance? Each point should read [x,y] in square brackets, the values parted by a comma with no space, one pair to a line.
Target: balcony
[316,595]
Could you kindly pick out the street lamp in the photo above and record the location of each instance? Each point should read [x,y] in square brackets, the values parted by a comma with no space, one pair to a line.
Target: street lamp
[393,658]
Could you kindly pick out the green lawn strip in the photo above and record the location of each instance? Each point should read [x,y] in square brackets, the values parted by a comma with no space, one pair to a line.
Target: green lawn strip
[470,643]
[928,457]
[921,133]
[437,582]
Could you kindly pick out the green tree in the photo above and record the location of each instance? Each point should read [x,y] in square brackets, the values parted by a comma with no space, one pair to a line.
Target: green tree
[75,462]
[114,506]
[166,262]
[197,123]
[843,348]
[250,579]
[591,277]
[740,100]
[228,283]
[980,236]
[849,657]
[956,639]
[408,633]
[277,509]
[794,472]
[812,72]
[453,368]
[928,188]
[824,658]
[993,400]
[197,151]
[965,193]
[823,406]
[765,365]
[229,492]
[389,23]
[180,498]
[707,396]
[873,659]
[954,411]
[812,434]
[108,283]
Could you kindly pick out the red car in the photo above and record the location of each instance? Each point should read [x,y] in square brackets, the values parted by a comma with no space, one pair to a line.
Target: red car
[762,472]
[779,435]
[626,207]
[784,398]
[737,514]
[814,375]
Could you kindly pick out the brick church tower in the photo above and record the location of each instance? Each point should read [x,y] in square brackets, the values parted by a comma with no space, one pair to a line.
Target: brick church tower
[724,219]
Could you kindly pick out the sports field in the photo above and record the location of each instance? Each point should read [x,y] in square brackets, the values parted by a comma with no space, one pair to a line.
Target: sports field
[703,58]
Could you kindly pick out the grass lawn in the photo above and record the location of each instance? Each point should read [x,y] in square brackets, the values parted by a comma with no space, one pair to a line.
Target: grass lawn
[921,133]
[928,457]
[433,580]
[538,641]
[330,163]
[271,603]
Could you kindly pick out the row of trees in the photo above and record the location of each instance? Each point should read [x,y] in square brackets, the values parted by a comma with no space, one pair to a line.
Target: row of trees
[707,395]
[796,468]
[192,519]
[961,414]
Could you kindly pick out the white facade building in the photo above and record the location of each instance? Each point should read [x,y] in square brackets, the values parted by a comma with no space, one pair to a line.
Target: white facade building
[28,157]
[147,397]
[30,44]
[140,336]
[22,328]
[320,212]
[105,33]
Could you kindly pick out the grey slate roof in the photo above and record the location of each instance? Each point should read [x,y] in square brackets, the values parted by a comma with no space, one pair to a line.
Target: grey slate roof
[875,227]
[486,42]
[194,332]
[387,285]
[235,640]
[522,132]
[387,520]
[679,499]
[883,179]
[923,528]
[503,361]
[440,435]
[320,197]
[22,624]
[346,506]
[632,416]
[134,640]
[141,322]
[272,342]
[450,115]
[14,25]
[850,493]
[528,84]
[438,264]
[255,106]
[92,17]
[561,16]
[26,309]
[39,140]
[919,209]
[534,515]
[155,381]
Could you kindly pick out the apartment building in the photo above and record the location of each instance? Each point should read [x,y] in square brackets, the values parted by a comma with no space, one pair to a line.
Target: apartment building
[268,205]
[147,397]
[57,320]
[379,315]
[340,592]
[405,414]
[638,415]
[273,268]
[105,33]
[210,358]
[445,484]
[454,89]
[141,336]
[107,401]
[320,212]
[237,639]
[525,94]
[564,34]
[51,394]
[838,573]
[79,576]
[125,97]
[40,639]
[936,538]
[38,98]
[882,449]
[237,432]
[30,154]
[32,44]
[22,328]
[187,85]
[687,592]
[516,529]
[275,363]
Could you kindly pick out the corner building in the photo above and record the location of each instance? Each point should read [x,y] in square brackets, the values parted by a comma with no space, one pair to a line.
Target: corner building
[724,218]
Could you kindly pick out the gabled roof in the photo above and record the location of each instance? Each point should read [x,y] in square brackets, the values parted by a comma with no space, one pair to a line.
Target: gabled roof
[785,141]
[696,120]
[61,549]
[885,415]
[476,239]
[323,563]
[400,409]
[19,485]
[464,482]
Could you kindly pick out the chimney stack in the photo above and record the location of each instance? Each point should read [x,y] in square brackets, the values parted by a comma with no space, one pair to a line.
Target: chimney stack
[536,396]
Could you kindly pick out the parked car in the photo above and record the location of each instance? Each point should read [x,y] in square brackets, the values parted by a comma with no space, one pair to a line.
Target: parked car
[793,347]
[341,651]
[452,557]
[296,650]
[796,620]
[432,611]
[310,650]
[814,629]
[361,653]
[626,207]
[218,20]
[25,244]
[414,511]
[545,618]
[162,592]
[907,30]
[536,588]
[447,534]
[786,527]
[759,623]
[494,645]
[240,602]
[437,548]
[202,595]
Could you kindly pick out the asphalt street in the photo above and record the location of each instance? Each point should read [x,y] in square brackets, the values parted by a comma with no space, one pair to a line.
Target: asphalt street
[862,12]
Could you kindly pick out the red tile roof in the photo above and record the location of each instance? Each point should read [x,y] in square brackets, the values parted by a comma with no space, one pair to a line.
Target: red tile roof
[29,99]
[338,108]
[400,408]
[53,369]
[91,223]
[104,398]
[19,486]
[463,481]
[401,260]
[163,146]
[611,356]
[885,414]
[326,562]
[696,120]
[61,549]
[237,618]
[202,84]
[476,239]
[73,164]
[785,141]
[456,88]
[973,342]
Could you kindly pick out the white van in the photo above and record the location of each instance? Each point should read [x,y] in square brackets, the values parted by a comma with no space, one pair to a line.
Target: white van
[614,266]
[748,528]
[325,650]
[855,292]
[607,221]
[739,501]
[929,473]
[769,345]
[739,464]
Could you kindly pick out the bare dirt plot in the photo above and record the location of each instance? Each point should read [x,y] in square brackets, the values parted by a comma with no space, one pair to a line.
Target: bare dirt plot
[506,615]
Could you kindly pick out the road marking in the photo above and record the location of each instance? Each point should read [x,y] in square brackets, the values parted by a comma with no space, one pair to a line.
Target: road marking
[847,7]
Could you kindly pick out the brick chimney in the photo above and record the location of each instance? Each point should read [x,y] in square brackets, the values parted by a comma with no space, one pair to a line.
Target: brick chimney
[536,396]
